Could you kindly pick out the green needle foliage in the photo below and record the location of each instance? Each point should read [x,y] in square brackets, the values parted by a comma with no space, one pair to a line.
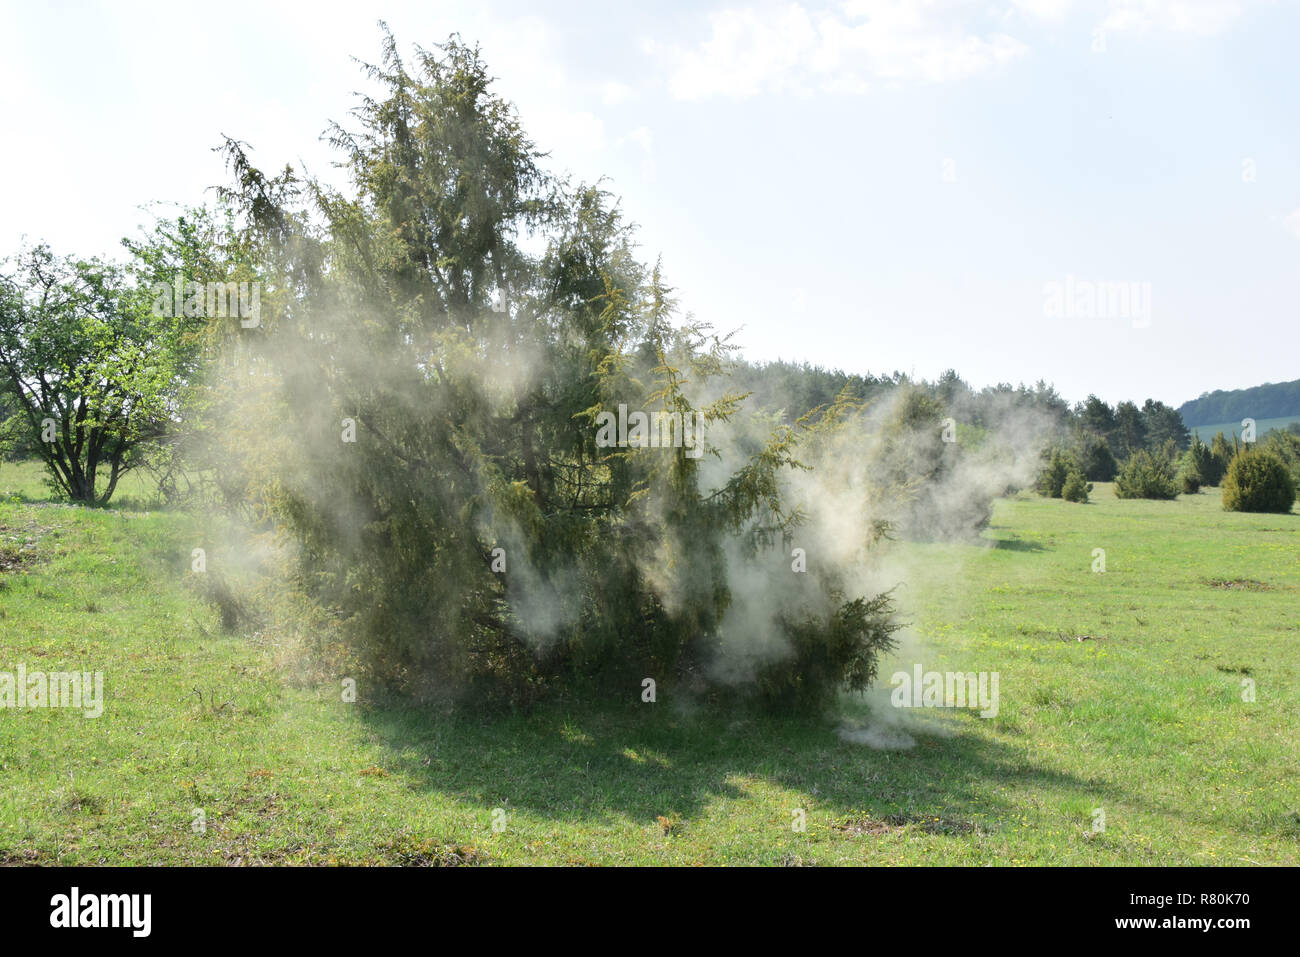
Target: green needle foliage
[1147,475]
[1258,480]
[1200,464]
[1222,452]
[421,416]
[1076,489]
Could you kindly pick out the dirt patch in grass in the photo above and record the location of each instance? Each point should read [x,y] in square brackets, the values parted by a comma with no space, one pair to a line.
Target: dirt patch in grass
[1066,636]
[15,557]
[20,544]
[1233,669]
[240,853]
[434,854]
[891,823]
[20,856]
[1235,584]
[1057,634]
[76,801]
[867,825]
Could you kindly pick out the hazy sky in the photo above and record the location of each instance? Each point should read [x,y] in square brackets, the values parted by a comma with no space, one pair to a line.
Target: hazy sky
[873,185]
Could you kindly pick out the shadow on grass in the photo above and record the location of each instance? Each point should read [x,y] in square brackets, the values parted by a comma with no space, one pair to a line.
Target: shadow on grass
[126,503]
[648,762]
[1016,545]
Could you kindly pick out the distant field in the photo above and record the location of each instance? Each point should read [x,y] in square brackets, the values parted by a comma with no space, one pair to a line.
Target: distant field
[1208,432]
[1120,691]
[30,481]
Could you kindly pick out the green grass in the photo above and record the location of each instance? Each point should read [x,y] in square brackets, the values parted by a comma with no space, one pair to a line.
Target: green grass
[29,482]
[1208,432]
[1145,719]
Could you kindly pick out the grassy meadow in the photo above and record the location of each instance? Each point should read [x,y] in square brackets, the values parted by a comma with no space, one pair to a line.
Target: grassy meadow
[1120,691]
[1262,426]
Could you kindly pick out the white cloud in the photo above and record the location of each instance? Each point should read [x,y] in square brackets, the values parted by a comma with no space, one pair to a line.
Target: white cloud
[1054,10]
[1203,17]
[747,53]
[614,93]
[640,136]
[1292,223]
[787,48]
[571,132]
[847,48]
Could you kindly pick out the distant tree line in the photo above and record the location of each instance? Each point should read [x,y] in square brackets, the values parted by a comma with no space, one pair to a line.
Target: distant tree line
[792,389]
[1272,400]
[1100,435]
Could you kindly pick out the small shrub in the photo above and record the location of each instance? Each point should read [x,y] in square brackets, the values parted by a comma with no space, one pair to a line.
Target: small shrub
[1258,480]
[1201,462]
[1222,452]
[1193,466]
[1051,481]
[1286,445]
[1075,489]
[1146,476]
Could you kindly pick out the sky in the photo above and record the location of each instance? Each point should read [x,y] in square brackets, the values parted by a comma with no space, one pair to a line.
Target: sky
[1104,195]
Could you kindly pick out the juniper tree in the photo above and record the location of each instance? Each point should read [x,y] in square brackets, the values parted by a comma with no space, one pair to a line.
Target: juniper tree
[1223,453]
[421,417]
[1096,416]
[1130,429]
[1200,463]
[1162,423]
